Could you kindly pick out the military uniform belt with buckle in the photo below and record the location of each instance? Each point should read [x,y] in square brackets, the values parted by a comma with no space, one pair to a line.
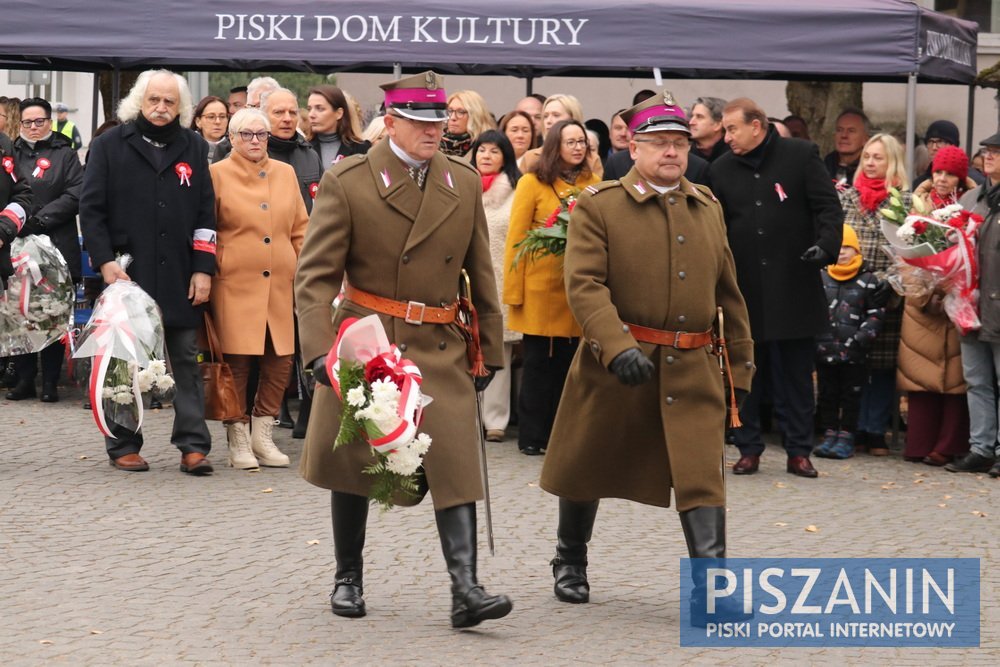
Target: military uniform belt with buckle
[412,312]
[681,340]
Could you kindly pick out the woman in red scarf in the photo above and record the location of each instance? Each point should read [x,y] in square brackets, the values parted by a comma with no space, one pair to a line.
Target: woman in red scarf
[930,360]
[881,167]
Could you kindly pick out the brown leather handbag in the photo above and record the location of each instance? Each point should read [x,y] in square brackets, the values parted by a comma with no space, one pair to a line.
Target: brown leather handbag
[222,403]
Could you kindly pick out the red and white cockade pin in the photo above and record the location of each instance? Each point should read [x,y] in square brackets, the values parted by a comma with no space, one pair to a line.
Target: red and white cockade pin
[781,192]
[40,167]
[184,173]
[8,166]
[313,189]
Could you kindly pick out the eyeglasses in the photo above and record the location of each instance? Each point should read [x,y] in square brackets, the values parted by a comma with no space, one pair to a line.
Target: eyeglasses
[37,122]
[215,117]
[457,113]
[931,143]
[248,136]
[679,145]
[573,143]
[991,151]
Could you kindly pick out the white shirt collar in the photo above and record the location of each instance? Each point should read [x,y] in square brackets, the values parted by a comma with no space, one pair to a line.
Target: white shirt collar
[663,188]
[405,157]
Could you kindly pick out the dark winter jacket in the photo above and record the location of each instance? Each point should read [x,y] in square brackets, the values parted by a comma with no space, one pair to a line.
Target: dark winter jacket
[304,160]
[13,190]
[57,193]
[779,201]
[345,149]
[854,320]
[134,201]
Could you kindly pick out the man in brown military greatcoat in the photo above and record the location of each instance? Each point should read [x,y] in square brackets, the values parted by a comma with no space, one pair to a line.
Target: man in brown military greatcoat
[402,222]
[647,264]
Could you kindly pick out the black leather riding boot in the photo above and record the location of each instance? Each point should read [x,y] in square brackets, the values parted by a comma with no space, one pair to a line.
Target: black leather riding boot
[705,532]
[350,518]
[569,567]
[470,604]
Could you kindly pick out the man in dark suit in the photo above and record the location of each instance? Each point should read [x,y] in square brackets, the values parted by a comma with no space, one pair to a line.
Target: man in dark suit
[147,192]
[784,222]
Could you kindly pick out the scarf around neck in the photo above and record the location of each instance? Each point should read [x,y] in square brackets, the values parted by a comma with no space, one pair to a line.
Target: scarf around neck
[847,271]
[162,134]
[488,180]
[456,144]
[871,191]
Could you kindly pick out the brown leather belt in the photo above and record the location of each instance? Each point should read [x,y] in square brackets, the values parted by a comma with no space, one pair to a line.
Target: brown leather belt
[411,312]
[682,340]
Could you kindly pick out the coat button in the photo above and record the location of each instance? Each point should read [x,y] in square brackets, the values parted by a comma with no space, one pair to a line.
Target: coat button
[263,174]
[267,239]
[682,319]
[595,346]
[756,175]
[758,203]
[671,359]
[443,303]
[447,258]
[163,235]
[406,259]
[680,238]
[402,347]
[162,262]
[670,400]
[671,200]
[682,275]
[625,328]
[161,204]
[442,345]
[267,274]
[263,206]
[763,262]
[748,364]
[760,231]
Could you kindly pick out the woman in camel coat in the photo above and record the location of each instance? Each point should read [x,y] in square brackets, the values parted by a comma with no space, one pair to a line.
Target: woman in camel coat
[261,223]
[930,361]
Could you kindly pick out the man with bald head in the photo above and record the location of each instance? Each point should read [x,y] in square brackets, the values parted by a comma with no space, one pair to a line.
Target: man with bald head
[286,144]
[147,192]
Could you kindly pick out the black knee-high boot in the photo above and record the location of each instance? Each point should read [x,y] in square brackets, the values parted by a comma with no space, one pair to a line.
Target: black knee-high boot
[569,567]
[350,518]
[705,533]
[470,604]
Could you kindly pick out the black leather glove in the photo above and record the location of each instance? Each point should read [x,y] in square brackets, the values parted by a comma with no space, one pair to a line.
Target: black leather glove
[33,226]
[482,382]
[319,372]
[741,397]
[881,294]
[816,256]
[632,367]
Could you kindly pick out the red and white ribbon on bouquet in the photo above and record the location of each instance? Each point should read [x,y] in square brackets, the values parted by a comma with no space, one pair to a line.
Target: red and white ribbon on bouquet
[106,333]
[41,167]
[31,274]
[364,340]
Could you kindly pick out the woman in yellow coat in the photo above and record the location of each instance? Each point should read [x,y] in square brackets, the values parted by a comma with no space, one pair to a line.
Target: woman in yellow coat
[261,223]
[534,287]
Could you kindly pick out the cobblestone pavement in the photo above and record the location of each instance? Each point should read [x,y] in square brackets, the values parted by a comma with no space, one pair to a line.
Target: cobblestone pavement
[102,567]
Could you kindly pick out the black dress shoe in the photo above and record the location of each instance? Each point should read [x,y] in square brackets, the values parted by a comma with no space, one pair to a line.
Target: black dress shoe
[346,598]
[155,404]
[8,377]
[995,470]
[532,451]
[801,466]
[571,581]
[22,391]
[49,393]
[971,462]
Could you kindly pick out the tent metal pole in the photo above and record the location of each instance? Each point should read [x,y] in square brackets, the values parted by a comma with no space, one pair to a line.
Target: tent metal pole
[397,71]
[116,84]
[529,86]
[94,104]
[970,119]
[911,121]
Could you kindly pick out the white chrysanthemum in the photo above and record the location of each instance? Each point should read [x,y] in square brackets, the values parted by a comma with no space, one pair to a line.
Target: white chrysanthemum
[157,367]
[403,461]
[107,392]
[165,382]
[145,379]
[421,444]
[906,233]
[356,397]
[124,398]
[384,391]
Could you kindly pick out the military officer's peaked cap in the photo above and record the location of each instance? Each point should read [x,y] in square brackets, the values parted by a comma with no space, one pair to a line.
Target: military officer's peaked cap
[418,97]
[660,113]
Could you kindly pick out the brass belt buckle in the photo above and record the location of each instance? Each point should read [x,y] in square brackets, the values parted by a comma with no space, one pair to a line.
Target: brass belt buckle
[677,338]
[420,318]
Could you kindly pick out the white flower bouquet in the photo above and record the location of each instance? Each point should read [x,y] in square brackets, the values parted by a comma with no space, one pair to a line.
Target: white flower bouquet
[124,336]
[36,310]
[381,401]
